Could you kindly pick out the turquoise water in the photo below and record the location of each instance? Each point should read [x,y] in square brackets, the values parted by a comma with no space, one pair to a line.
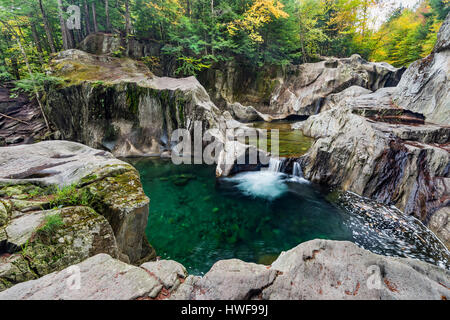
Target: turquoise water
[197,219]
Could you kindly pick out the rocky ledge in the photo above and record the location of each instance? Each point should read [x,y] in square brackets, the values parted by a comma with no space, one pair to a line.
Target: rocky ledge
[382,145]
[62,202]
[317,269]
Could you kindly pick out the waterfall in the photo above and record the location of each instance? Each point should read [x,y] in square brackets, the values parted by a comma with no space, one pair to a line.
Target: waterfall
[297,170]
[275,165]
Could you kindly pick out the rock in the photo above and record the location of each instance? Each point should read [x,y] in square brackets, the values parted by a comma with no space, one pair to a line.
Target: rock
[170,273]
[322,269]
[394,163]
[440,224]
[300,90]
[346,95]
[118,104]
[443,37]
[4,214]
[244,113]
[317,269]
[114,184]
[100,43]
[425,86]
[101,278]
[307,85]
[36,251]
[233,280]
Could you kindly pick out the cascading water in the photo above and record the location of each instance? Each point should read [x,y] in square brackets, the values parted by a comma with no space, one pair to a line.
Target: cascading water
[297,170]
[275,165]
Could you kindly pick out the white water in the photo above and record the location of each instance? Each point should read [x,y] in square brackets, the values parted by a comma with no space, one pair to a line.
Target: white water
[275,165]
[261,184]
[297,170]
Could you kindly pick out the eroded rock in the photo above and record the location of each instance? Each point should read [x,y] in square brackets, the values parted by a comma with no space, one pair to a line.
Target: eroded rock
[317,269]
[425,86]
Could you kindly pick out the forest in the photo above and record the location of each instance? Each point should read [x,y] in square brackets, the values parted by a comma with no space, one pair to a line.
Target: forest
[199,33]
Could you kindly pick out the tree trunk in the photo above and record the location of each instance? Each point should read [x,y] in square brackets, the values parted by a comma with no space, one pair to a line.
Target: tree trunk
[108,22]
[94,17]
[127,18]
[86,15]
[48,32]
[36,41]
[62,22]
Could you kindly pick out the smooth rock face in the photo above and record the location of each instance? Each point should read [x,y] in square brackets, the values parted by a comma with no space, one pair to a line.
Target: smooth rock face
[118,104]
[307,85]
[317,269]
[405,165]
[102,278]
[321,269]
[425,86]
[114,184]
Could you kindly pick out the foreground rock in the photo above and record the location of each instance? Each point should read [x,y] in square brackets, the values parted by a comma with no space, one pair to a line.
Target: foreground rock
[317,269]
[62,202]
[102,278]
[425,86]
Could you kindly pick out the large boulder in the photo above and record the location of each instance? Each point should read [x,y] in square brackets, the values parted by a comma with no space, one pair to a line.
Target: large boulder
[317,269]
[307,85]
[41,242]
[102,278]
[119,105]
[425,86]
[381,152]
[55,174]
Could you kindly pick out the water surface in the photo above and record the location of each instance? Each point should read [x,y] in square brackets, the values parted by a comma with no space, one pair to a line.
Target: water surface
[197,219]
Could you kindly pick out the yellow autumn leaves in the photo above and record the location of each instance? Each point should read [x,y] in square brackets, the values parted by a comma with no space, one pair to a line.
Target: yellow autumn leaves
[258,14]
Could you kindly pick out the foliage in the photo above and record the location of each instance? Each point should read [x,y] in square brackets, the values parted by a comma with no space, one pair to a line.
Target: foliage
[72,196]
[194,34]
[35,82]
[51,224]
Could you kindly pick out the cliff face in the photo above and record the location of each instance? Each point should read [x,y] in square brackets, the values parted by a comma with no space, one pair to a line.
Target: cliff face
[296,90]
[367,143]
[118,104]
[425,86]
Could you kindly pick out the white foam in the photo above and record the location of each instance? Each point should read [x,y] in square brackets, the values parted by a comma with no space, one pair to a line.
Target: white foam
[261,184]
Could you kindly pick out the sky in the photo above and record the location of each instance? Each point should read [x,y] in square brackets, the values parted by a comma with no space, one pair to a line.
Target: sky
[380,12]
